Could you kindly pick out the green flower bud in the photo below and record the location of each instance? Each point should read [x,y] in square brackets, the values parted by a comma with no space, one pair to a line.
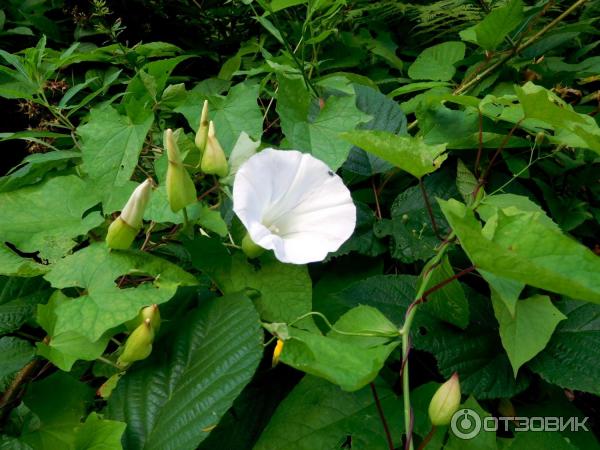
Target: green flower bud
[180,187]
[138,345]
[445,402]
[250,248]
[152,313]
[202,133]
[213,159]
[125,228]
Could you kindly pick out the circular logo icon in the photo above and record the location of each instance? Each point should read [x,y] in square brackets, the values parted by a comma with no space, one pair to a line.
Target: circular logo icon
[466,424]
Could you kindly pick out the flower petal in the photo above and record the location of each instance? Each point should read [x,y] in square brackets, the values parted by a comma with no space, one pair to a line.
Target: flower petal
[292,203]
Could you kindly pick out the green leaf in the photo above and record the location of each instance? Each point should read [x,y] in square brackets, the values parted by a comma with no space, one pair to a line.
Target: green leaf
[484,440]
[348,361]
[387,116]
[152,78]
[103,304]
[12,264]
[18,300]
[413,237]
[570,359]
[15,354]
[526,332]
[448,303]
[523,246]
[494,28]
[46,217]
[316,129]
[237,112]
[99,434]
[285,289]
[110,147]
[408,153]
[476,353]
[437,63]
[59,402]
[63,349]
[318,415]
[363,240]
[544,439]
[173,400]
[579,130]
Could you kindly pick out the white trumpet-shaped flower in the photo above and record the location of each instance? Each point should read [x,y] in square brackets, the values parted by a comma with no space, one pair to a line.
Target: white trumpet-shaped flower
[293,204]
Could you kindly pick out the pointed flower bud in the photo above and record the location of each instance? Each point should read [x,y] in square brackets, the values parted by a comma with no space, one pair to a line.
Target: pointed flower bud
[445,402]
[180,187]
[277,352]
[138,345]
[125,228]
[214,161]
[152,313]
[202,133]
[250,248]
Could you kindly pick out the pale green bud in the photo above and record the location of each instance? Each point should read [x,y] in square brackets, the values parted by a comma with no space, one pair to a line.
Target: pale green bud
[138,345]
[149,312]
[180,187]
[214,161]
[125,228]
[250,248]
[202,133]
[445,402]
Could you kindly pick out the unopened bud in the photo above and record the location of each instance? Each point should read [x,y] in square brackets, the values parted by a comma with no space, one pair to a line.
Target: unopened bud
[445,402]
[152,313]
[180,187]
[202,133]
[539,137]
[250,248]
[138,345]
[214,161]
[277,352]
[125,228]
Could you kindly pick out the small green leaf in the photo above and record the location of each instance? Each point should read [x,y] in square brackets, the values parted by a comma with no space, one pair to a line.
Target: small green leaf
[437,63]
[408,153]
[493,29]
[103,304]
[348,361]
[526,332]
[174,399]
[98,434]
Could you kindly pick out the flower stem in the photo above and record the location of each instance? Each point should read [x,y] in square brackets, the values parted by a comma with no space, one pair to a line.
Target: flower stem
[405,332]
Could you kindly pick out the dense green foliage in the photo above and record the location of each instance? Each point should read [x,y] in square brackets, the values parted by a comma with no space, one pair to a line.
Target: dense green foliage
[467,132]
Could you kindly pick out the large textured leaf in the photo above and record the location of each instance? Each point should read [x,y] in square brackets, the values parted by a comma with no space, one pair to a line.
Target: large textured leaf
[318,415]
[526,332]
[493,29]
[103,304]
[46,217]
[237,112]
[408,153]
[410,227]
[523,246]
[437,63]
[18,300]
[111,145]
[15,354]
[571,358]
[387,116]
[315,129]
[173,400]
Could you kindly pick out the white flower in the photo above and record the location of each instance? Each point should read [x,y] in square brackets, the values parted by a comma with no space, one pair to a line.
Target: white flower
[292,203]
[133,211]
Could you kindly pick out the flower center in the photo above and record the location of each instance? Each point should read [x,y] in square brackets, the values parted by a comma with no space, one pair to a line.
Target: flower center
[274,229]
